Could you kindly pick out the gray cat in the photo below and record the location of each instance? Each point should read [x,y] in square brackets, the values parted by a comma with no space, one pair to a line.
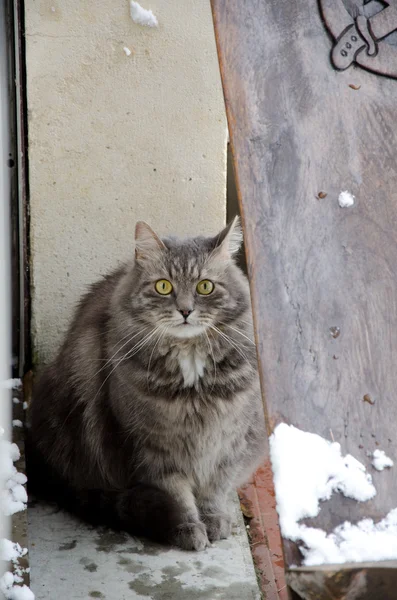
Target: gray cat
[151,412]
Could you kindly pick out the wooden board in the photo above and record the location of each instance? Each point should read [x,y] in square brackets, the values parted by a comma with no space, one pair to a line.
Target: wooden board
[323,278]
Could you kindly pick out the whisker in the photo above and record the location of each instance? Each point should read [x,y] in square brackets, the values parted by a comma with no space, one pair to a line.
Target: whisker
[137,347]
[228,339]
[128,355]
[162,334]
[237,331]
[109,360]
[213,358]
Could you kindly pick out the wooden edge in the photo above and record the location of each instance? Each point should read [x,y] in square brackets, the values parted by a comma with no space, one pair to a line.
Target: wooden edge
[248,256]
[350,581]
[231,124]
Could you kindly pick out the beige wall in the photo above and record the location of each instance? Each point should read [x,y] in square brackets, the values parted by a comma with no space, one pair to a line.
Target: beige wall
[113,139]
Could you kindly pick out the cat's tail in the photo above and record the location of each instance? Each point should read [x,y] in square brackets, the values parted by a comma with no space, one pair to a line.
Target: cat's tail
[142,509]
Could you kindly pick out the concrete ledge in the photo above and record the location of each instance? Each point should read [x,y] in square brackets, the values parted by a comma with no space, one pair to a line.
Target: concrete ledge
[70,560]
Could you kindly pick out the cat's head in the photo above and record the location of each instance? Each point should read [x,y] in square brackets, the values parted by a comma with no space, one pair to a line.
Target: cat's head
[187,287]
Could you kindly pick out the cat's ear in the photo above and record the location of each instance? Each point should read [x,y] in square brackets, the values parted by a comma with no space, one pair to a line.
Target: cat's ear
[230,239]
[147,243]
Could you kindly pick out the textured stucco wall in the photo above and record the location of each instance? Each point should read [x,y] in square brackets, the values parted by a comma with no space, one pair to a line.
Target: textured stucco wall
[113,139]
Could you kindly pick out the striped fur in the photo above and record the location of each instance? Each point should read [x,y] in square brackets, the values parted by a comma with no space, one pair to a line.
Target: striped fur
[142,422]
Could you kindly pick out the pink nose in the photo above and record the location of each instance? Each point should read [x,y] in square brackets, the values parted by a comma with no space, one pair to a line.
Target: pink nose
[185,313]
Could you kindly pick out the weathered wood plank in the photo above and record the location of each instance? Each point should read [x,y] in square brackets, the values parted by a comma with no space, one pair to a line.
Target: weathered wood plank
[298,126]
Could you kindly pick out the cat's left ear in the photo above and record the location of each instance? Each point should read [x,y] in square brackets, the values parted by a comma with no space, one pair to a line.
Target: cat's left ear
[230,239]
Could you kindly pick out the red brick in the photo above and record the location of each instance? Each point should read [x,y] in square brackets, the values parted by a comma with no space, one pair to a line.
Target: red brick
[258,499]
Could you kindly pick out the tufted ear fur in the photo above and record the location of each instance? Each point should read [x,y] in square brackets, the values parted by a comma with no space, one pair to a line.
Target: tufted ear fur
[230,239]
[147,242]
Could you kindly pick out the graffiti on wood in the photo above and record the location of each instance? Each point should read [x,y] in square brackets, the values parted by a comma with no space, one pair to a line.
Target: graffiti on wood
[365,34]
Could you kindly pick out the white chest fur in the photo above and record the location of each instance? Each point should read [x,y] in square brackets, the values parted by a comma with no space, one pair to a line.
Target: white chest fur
[191,361]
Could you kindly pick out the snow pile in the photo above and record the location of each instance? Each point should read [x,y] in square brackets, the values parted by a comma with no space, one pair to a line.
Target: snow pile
[141,16]
[381,461]
[11,551]
[308,469]
[14,592]
[352,543]
[13,497]
[346,199]
[11,384]
[17,423]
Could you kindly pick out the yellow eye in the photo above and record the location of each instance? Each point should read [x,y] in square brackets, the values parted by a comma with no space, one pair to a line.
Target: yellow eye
[163,287]
[205,287]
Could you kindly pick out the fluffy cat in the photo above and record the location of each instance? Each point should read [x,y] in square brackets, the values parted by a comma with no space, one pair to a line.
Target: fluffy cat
[151,412]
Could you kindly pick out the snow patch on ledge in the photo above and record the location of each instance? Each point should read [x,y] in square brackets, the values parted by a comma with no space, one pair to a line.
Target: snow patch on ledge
[308,469]
[142,16]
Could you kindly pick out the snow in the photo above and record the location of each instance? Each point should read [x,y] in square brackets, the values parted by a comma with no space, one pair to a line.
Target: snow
[13,498]
[308,469]
[17,423]
[380,460]
[363,542]
[13,495]
[11,384]
[25,406]
[15,400]
[141,16]
[346,199]
[14,592]
[127,51]
[11,552]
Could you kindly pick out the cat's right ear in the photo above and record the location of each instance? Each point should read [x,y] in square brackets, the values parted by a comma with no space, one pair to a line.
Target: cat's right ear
[147,242]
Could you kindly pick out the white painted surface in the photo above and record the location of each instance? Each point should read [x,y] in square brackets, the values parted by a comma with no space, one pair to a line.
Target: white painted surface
[71,560]
[114,139]
[5,261]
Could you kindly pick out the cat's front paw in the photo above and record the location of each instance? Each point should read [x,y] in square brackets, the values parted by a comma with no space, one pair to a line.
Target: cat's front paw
[218,526]
[191,536]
